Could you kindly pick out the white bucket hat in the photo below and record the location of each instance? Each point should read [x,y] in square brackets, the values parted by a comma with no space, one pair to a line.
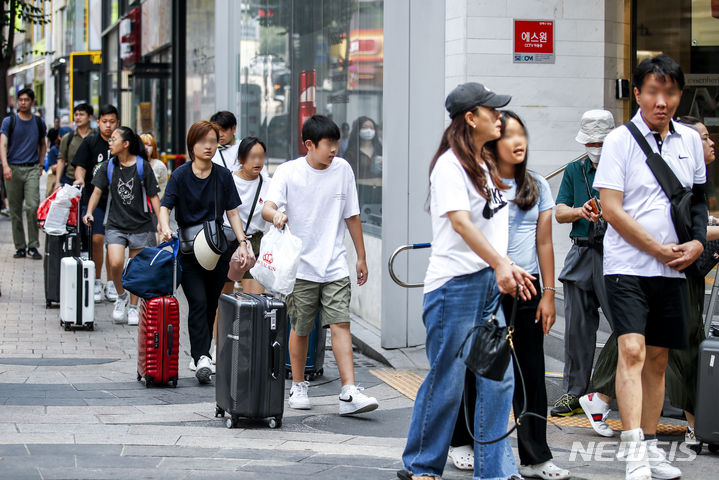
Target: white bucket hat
[595,126]
[205,249]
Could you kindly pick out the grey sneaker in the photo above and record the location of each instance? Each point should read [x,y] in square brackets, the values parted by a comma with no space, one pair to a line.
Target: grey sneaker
[118,313]
[110,291]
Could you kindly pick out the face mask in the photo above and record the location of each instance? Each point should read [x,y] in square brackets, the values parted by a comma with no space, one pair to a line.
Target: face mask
[594,153]
[366,133]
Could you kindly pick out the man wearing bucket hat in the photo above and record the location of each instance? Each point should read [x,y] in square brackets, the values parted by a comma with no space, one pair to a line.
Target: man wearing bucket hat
[582,275]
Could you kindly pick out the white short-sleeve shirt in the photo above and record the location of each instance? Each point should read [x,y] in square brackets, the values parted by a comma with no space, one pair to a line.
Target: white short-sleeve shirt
[623,167]
[317,202]
[452,190]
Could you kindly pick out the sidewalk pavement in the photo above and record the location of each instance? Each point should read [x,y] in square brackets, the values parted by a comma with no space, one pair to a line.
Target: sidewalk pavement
[70,408]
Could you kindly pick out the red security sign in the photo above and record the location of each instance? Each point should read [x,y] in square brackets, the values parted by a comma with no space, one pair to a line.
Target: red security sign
[534,41]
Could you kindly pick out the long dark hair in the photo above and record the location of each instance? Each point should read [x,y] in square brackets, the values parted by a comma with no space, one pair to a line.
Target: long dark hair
[527,190]
[136,147]
[352,154]
[458,138]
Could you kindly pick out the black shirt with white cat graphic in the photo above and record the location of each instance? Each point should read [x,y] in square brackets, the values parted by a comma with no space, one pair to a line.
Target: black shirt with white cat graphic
[127,213]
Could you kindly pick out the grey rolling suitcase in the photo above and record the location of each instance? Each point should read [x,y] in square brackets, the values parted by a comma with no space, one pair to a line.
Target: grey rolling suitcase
[250,377]
[706,427]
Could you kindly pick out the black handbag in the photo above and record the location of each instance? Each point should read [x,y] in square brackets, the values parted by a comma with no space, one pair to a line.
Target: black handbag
[213,231]
[680,197]
[489,357]
[708,259]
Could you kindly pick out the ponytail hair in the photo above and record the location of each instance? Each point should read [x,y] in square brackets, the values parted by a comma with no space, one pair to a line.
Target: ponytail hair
[136,147]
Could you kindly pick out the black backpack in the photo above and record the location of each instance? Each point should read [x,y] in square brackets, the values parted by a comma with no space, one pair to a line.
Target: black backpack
[38,122]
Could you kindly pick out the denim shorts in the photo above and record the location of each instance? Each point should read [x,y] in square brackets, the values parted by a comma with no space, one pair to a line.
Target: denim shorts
[134,241]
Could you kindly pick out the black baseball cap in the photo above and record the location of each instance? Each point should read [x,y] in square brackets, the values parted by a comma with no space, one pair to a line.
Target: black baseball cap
[467,96]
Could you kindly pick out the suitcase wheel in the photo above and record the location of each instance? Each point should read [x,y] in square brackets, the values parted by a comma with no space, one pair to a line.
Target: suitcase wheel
[320,372]
[219,412]
[139,377]
[232,421]
[714,448]
[696,448]
[309,377]
[91,326]
[174,383]
[275,422]
[67,327]
[48,304]
[288,374]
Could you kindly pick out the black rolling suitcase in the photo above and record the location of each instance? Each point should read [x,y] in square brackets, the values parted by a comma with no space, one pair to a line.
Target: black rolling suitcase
[250,378]
[57,247]
[706,427]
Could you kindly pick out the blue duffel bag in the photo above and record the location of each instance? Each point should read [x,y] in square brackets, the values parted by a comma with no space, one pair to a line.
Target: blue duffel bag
[149,274]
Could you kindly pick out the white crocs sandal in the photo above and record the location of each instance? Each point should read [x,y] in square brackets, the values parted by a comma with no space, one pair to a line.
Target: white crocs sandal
[462,457]
[547,471]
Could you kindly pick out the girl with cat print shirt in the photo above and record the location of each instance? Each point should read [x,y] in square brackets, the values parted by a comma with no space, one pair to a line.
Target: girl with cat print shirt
[128,218]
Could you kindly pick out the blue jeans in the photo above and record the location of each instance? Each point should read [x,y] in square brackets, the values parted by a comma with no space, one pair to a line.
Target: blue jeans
[449,313]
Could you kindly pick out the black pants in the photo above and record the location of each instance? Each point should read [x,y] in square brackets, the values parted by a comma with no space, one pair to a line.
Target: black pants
[202,289]
[529,345]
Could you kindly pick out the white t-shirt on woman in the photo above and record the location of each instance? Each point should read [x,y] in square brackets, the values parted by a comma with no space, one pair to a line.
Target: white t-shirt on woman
[452,190]
[246,189]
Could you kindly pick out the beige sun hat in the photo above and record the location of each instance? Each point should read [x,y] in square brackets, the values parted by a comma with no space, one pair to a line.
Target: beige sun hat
[595,126]
[206,248]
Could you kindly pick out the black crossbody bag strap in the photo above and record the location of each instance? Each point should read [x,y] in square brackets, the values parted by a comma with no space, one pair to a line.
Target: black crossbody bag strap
[664,175]
[586,179]
[252,209]
[222,157]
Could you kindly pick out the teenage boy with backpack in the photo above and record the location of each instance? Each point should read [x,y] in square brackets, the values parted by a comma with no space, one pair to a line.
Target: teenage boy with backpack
[320,197]
[70,144]
[92,152]
[22,145]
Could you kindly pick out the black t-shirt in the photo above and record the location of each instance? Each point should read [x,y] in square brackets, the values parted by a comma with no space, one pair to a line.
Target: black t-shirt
[194,198]
[93,151]
[127,210]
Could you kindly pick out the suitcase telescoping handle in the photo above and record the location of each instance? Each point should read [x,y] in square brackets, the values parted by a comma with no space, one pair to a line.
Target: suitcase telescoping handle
[89,241]
[175,251]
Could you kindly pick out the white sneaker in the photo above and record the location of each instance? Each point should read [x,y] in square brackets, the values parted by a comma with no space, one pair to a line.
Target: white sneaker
[213,353]
[204,369]
[661,468]
[110,291]
[133,315]
[118,313]
[690,438]
[547,470]
[192,365]
[353,401]
[597,412]
[98,290]
[633,450]
[298,398]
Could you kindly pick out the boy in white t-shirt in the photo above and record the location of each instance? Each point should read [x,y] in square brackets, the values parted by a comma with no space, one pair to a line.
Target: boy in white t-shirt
[319,195]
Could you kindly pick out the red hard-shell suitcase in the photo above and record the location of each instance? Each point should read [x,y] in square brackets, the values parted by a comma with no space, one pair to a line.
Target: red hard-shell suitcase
[158,339]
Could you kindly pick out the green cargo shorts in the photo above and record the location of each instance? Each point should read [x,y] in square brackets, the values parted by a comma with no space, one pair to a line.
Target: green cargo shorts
[332,299]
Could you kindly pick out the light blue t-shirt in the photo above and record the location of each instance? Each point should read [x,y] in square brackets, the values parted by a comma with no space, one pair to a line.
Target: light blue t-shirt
[523,224]
[23,147]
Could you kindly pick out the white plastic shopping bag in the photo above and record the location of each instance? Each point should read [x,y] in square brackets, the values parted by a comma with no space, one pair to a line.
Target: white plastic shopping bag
[277,261]
[57,215]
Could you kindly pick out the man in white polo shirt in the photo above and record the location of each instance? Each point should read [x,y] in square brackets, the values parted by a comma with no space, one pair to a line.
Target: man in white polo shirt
[643,257]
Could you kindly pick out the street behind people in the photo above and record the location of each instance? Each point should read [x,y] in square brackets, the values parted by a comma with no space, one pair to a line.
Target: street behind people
[319,194]
[644,255]
[92,152]
[468,269]
[584,290]
[22,148]
[201,191]
[128,219]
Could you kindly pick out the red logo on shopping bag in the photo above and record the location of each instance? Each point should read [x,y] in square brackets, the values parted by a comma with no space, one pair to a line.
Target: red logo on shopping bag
[267,257]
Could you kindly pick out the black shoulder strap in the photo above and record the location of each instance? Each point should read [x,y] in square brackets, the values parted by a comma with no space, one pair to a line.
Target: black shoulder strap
[40,135]
[662,172]
[216,174]
[222,157]
[586,180]
[252,208]
[10,129]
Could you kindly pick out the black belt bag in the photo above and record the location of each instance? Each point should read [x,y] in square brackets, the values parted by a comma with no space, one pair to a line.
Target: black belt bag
[214,231]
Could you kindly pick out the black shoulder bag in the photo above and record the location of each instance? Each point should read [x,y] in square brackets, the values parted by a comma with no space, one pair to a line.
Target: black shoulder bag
[489,356]
[212,229]
[680,197]
[599,228]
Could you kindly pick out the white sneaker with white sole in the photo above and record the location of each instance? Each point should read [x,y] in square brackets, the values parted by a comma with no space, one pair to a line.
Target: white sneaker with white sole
[120,309]
[110,291]
[597,412]
[633,450]
[353,401]
[660,466]
[298,399]
[192,365]
[133,315]
[98,297]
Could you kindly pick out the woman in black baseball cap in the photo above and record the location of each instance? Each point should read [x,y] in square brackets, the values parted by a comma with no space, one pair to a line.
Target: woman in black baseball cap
[468,270]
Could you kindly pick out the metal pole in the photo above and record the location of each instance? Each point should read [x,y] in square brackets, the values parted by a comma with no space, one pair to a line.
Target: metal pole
[179,29]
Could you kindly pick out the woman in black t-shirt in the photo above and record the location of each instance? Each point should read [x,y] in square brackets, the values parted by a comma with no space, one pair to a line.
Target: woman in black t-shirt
[128,218]
[191,191]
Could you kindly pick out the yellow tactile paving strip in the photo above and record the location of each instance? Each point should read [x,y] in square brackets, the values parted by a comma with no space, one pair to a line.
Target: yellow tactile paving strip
[407,383]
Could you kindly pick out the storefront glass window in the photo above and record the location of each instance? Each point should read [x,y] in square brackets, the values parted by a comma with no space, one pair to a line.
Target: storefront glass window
[296,58]
[200,54]
[687,31]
